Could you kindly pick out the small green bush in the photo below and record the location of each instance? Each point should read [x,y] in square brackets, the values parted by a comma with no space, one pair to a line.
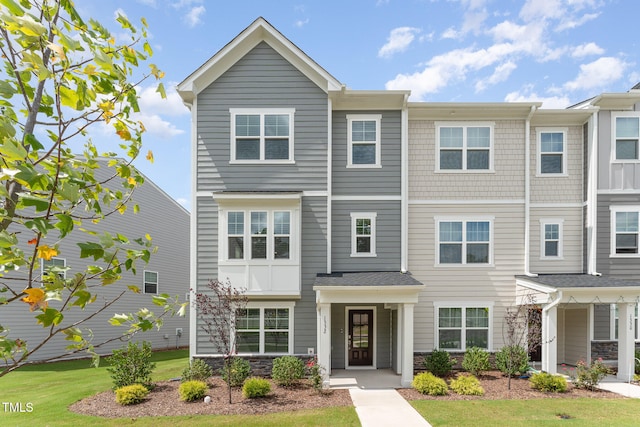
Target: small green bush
[589,376]
[546,382]
[240,371]
[427,383]
[476,361]
[256,387]
[439,363]
[197,370]
[467,385]
[519,360]
[131,394]
[132,365]
[287,370]
[192,390]
[637,364]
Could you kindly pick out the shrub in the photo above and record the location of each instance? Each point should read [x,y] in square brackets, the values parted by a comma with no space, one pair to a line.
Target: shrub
[198,370]
[517,356]
[467,385]
[287,370]
[637,363]
[590,376]
[439,362]
[132,365]
[315,373]
[131,394]
[256,387]
[546,382]
[240,371]
[192,390]
[476,361]
[427,383]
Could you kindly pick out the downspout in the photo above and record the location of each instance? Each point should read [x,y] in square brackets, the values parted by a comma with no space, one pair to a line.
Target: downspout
[527,191]
[404,187]
[329,179]
[592,198]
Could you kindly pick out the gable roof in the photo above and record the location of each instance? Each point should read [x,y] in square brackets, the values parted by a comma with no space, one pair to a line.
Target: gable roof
[259,31]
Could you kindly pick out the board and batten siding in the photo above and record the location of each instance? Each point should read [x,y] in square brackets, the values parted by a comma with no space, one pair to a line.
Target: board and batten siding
[383,180]
[614,175]
[387,236]
[572,231]
[466,284]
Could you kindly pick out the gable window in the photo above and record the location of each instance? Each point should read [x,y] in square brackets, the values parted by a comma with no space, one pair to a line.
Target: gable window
[625,232]
[464,241]
[265,329]
[363,149]
[150,282]
[262,135]
[268,234]
[627,137]
[551,238]
[552,152]
[363,234]
[462,327]
[54,265]
[464,147]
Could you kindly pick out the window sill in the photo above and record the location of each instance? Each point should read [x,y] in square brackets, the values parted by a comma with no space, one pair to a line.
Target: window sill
[479,171]
[551,175]
[625,161]
[552,258]
[367,166]
[357,255]
[262,162]
[624,255]
[438,265]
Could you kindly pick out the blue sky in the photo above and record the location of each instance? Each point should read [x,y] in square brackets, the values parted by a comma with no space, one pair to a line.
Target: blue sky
[556,51]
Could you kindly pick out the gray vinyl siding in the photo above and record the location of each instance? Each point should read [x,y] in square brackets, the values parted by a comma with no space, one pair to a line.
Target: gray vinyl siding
[626,268]
[261,79]
[602,322]
[367,181]
[387,236]
[206,258]
[613,175]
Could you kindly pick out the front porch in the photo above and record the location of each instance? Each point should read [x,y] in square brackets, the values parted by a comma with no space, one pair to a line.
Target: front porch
[371,379]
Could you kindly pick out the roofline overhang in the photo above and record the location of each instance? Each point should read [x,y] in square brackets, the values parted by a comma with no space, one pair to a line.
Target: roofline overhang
[220,196]
[348,99]
[470,110]
[392,294]
[585,295]
[616,101]
[556,117]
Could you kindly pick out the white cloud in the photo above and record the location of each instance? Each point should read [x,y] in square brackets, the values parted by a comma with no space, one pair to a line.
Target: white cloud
[157,126]
[194,16]
[587,49]
[301,23]
[547,102]
[151,3]
[172,105]
[573,22]
[541,9]
[500,74]
[184,202]
[599,73]
[398,41]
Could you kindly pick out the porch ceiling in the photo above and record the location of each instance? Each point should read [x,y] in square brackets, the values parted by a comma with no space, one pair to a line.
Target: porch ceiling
[367,287]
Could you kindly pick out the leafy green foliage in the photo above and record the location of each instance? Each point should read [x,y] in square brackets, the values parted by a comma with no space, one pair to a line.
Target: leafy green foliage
[439,362]
[239,371]
[427,383]
[256,387]
[512,360]
[315,371]
[197,370]
[544,381]
[467,385]
[287,370]
[132,365]
[192,390]
[476,361]
[589,376]
[637,362]
[131,394]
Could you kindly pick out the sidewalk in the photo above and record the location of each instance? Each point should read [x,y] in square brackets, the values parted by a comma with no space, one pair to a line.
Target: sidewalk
[613,384]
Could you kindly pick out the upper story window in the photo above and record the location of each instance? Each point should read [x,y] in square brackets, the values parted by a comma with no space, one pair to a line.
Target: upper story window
[464,241]
[363,149]
[552,152]
[54,265]
[551,238]
[262,136]
[625,230]
[269,234]
[150,282]
[626,136]
[464,147]
[363,234]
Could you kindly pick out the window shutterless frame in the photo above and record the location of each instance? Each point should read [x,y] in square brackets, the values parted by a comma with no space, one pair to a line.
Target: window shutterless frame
[363,234]
[625,137]
[464,241]
[363,141]
[464,147]
[551,238]
[264,135]
[552,150]
[625,231]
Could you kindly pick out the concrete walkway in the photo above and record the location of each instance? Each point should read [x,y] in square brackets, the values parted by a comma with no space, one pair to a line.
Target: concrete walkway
[376,401]
[613,384]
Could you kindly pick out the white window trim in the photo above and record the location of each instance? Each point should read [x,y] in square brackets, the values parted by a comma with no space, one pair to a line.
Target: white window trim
[363,117]
[612,322]
[262,305]
[144,282]
[464,220]
[262,112]
[612,230]
[614,116]
[551,221]
[42,269]
[465,125]
[462,305]
[539,132]
[363,215]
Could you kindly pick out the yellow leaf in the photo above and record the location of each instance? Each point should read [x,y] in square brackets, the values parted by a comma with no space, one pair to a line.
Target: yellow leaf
[35,298]
[124,134]
[122,209]
[106,106]
[58,52]
[147,236]
[112,41]
[133,288]
[46,252]
[150,156]
[90,70]
[131,180]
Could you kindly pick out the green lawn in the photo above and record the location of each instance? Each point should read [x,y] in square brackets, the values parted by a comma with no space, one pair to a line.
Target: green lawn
[50,388]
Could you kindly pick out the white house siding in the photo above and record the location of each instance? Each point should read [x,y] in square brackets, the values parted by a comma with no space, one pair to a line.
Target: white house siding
[576,337]
[572,246]
[465,284]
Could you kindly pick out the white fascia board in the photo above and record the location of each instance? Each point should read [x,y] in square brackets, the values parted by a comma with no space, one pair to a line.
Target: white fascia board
[256,196]
[394,294]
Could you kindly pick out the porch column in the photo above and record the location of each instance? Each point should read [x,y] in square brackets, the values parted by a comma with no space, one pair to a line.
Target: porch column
[550,340]
[324,341]
[407,344]
[626,341]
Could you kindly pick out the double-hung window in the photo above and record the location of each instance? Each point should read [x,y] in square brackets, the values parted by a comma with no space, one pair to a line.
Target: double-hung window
[264,136]
[265,328]
[235,235]
[625,230]
[626,134]
[363,149]
[551,238]
[54,266]
[462,327]
[464,241]
[552,152]
[269,234]
[363,234]
[150,282]
[464,147]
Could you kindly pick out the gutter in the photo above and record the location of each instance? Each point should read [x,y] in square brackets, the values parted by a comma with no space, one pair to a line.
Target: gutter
[527,192]
[404,188]
[592,199]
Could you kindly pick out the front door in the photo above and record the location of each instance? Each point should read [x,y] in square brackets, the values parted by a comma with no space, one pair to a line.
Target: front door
[360,339]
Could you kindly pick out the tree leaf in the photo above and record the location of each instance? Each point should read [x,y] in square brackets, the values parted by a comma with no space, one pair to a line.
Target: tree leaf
[13,7]
[50,317]
[89,249]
